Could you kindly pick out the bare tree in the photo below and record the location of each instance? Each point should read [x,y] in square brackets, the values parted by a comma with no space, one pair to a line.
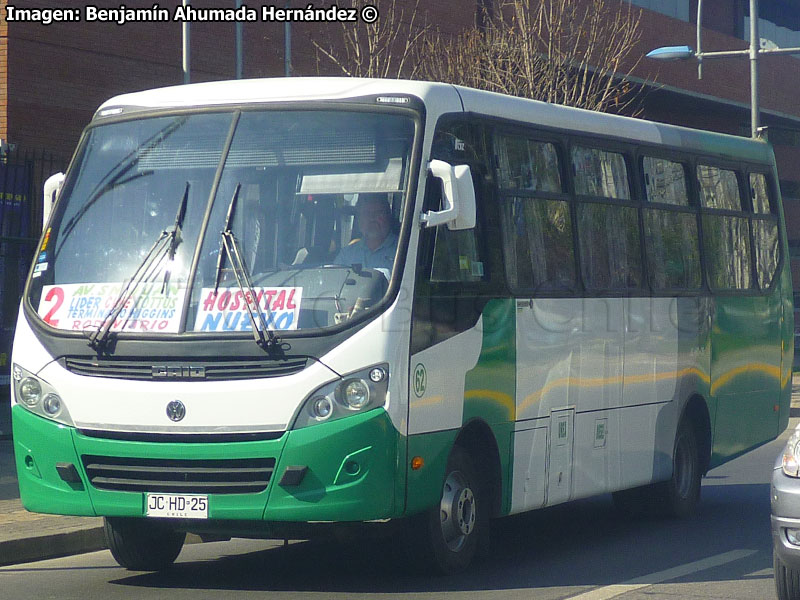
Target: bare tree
[573,52]
[385,48]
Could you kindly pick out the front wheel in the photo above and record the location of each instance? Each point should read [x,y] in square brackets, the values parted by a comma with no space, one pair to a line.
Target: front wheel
[446,538]
[141,544]
[787,580]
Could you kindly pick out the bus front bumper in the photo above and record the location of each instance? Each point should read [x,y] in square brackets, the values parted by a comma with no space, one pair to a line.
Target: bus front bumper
[346,470]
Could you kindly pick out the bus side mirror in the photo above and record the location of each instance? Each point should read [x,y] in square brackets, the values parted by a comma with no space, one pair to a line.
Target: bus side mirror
[459,197]
[51,188]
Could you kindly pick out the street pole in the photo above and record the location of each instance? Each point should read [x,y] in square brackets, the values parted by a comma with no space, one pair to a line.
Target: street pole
[187,50]
[287,46]
[699,52]
[755,45]
[754,52]
[238,43]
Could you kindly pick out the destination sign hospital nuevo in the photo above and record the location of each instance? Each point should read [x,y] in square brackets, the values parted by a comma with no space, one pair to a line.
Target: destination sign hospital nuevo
[227,311]
[180,13]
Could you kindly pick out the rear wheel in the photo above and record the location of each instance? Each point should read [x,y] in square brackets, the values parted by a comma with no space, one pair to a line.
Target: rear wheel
[787,580]
[445,539]
[141,544]
[680,494]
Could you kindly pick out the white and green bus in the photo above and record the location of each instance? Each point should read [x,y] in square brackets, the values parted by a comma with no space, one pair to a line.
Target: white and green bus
[561,304]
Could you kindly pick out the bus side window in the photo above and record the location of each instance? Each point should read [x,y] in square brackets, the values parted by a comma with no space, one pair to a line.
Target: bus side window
[608,232]
[665,181]
[535,216]
[451,273]
[727,247]
[671,236]
[765,231]
[527,165]
[719,188]
[456,256]
[600,173]
[610,248]
[537,237]
[759,193]
[673,250]
[726,237]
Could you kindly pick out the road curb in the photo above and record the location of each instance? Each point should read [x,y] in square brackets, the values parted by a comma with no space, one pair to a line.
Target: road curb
[55,545]
[58,545]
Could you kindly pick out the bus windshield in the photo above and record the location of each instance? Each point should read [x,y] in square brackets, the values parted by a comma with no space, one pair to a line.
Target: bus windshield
[313,200]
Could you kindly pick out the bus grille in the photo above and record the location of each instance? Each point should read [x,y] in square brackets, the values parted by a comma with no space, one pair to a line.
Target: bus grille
[211,370]
[174,476]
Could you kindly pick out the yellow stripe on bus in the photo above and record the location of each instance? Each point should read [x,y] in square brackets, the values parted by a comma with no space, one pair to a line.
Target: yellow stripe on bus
[588,382]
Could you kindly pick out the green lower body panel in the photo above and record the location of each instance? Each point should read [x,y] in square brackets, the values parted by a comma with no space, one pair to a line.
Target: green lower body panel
[352,469]
[425,484]
[39,445]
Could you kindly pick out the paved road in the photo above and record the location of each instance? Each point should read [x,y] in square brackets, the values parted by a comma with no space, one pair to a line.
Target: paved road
[582,551]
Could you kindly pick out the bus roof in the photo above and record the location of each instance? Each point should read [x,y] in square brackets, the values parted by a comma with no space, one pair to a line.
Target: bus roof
[583,121]
[439,98]
[284,89]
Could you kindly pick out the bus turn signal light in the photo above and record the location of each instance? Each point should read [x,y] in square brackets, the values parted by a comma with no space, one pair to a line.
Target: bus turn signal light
[417,463]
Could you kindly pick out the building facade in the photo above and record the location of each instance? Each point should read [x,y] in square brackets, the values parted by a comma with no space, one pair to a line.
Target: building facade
[53,76]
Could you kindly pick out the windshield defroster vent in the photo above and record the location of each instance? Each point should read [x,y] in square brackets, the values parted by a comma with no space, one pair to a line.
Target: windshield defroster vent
[152,369]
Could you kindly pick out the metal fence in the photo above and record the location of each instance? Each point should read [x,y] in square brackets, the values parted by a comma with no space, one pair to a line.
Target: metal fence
[22,175]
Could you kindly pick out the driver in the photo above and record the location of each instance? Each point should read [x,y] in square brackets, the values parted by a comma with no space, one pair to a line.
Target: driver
[378,244]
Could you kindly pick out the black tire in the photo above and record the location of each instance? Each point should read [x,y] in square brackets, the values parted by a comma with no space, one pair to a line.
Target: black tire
[680,494]
[445,538]
[141,544]
[787,580]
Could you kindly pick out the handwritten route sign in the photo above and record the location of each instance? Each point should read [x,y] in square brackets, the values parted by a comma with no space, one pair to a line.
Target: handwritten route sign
[226,310]
[79,306]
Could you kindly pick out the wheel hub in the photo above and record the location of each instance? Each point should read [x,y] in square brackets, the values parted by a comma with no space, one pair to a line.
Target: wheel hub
[458,511]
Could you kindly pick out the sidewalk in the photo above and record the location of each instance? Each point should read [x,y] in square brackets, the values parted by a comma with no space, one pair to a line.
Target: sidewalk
[5,409]
[27,537]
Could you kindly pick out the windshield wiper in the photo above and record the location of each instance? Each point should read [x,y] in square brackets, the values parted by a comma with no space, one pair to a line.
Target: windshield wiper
[164,247]
[176,236]
[230,247]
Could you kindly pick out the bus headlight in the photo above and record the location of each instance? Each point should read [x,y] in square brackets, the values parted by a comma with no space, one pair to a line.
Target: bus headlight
[38,396]
[30,391]
[791,456]
[353,393]
[52,404]
[321,408]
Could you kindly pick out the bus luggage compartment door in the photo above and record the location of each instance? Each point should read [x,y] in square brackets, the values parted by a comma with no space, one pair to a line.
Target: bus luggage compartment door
[559,484]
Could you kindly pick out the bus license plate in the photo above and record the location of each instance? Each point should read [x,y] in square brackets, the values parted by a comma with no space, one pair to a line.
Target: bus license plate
[176,506]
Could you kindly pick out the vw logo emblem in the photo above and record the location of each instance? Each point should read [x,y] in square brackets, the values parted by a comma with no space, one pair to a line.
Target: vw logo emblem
[176,410]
